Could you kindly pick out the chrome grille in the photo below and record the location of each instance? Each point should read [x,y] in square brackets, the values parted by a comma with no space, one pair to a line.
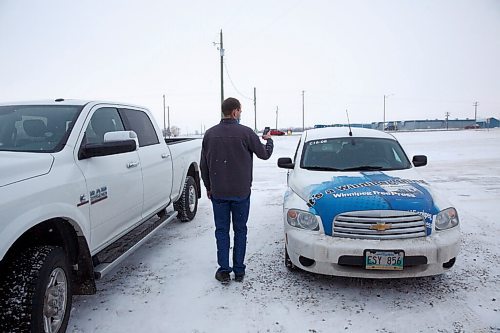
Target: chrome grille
[364,225]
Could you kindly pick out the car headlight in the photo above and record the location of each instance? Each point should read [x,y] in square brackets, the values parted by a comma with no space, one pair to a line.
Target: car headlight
[302,219]
[446,219]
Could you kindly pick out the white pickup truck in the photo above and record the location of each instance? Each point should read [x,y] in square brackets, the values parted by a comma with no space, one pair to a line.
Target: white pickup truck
[82,184]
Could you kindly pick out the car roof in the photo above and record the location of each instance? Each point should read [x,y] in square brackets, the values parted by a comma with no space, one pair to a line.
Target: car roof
[343,132]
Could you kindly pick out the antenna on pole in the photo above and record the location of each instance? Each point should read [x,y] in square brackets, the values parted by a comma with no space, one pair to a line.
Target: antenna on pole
[348,122]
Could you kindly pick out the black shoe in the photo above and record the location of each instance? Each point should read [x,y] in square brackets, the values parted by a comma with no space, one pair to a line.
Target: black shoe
[239,277]
[223,277]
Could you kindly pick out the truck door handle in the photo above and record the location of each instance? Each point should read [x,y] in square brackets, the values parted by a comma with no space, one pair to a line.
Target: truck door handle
[132,164]
[165,155]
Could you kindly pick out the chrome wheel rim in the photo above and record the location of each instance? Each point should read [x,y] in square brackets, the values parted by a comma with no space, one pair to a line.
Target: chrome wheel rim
[192,198]
[55,301]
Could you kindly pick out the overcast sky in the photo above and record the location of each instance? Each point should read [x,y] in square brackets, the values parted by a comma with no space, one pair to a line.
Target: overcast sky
[429,56]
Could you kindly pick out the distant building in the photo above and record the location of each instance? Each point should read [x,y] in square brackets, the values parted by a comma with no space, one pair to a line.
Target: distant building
[412,125]
[489,123]
[345,125]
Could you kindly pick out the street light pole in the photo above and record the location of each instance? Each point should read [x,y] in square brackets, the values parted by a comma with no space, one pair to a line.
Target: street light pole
[276,117]
[303,127]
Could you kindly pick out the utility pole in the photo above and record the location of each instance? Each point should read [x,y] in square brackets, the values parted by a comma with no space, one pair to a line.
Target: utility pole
[447,115]
[255,107]
[383,123]
[168,118]
[221,69]
[221,50]
[475,112]
[276,117]
[303,127]
[164,125]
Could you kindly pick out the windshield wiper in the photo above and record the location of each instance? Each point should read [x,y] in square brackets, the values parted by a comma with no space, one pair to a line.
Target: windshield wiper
[364,168]
[321,168]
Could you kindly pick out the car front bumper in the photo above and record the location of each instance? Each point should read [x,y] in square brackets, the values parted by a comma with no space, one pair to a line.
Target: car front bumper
[345,257]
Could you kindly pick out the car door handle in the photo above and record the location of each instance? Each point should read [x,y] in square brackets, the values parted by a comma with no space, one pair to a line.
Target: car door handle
[165,155]
[132,164]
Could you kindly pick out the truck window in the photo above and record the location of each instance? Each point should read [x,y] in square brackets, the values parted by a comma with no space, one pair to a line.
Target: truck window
[103,120]
[36,128]
[139,122]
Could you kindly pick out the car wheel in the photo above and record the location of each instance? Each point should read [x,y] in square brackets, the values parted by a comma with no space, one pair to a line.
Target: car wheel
[288,263]
[36,291]
[187,205]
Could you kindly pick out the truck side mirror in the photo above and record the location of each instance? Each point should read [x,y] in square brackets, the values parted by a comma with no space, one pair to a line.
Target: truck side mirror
[121,136]
[419,160]
[285,163]
[107,148]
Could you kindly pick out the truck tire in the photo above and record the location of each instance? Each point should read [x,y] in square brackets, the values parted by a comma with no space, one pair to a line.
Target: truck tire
[35,295]
[187,205]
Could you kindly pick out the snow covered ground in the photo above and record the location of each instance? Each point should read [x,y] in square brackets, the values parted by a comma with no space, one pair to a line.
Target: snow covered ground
[168,285]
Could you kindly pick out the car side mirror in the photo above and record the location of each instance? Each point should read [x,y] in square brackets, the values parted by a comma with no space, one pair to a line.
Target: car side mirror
[285,163]
[419,160]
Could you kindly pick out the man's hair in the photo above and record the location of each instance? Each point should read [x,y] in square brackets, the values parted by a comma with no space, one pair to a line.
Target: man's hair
[229,105]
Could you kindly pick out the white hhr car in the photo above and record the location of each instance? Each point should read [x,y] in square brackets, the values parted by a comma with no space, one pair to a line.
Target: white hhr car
[356,207]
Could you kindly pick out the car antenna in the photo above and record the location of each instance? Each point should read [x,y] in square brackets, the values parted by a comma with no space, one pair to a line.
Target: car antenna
[348,122]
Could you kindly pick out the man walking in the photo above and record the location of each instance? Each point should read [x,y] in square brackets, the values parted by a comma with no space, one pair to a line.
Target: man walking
[226,169]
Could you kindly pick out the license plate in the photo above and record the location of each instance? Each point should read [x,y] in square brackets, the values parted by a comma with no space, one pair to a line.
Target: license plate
[385,260]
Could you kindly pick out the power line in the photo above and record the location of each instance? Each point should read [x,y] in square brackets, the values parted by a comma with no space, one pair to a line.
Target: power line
[232,83]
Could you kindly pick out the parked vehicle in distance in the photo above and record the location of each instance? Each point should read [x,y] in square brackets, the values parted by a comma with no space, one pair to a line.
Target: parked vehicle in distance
[276,132]
[475,126]
[356,207]
[82,185]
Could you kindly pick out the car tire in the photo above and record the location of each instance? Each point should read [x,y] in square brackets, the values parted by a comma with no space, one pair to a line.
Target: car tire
[187,205]
[288,263]
[36,291]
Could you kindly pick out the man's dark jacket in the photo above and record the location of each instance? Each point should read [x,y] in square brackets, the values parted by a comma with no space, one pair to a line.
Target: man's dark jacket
[227,158]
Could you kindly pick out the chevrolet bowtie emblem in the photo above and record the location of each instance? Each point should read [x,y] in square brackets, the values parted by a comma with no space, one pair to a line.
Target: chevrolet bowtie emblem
[380,226]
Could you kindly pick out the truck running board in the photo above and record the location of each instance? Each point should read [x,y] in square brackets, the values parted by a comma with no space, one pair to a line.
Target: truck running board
[116,252]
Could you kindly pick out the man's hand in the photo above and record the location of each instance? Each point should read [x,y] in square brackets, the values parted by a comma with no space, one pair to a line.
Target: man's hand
[266,137]
[209,194]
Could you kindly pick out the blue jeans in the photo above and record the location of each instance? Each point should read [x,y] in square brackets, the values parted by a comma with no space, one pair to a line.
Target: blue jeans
[225,210]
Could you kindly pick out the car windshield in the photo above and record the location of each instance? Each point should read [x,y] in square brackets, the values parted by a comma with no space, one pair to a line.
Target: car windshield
[354,154]
[36,128]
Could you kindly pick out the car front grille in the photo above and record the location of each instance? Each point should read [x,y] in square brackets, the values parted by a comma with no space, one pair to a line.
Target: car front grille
[379,224]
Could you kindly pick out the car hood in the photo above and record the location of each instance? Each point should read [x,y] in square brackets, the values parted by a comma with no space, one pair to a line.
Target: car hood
[16,167]
[328,194]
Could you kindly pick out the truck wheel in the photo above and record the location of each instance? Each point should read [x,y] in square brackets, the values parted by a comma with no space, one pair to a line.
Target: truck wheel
[36,295]
[187,205]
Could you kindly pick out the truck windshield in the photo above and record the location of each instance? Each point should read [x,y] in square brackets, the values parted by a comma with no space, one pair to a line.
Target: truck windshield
[36,128]
[354,154]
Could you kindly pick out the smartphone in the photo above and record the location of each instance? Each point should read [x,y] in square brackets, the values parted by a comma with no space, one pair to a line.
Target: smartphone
[266,130]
